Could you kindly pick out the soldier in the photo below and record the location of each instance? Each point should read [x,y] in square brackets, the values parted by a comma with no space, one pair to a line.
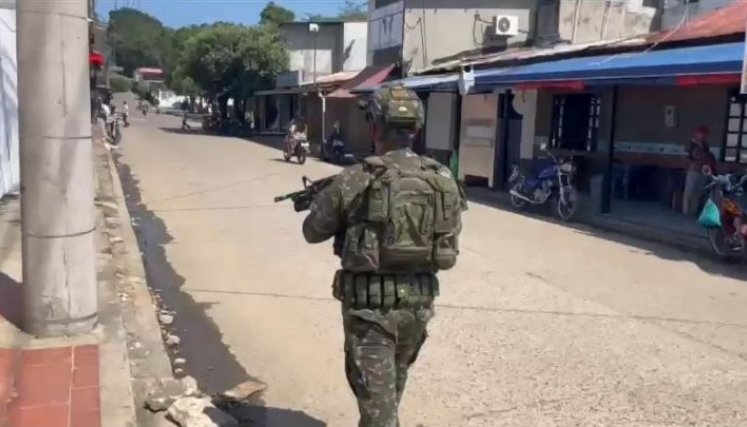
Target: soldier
[396,219]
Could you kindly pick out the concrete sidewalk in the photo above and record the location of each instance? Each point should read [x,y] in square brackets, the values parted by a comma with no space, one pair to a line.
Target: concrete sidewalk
[687,241]
[95,379]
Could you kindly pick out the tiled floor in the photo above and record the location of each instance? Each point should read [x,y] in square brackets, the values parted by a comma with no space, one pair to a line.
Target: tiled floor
[52,387]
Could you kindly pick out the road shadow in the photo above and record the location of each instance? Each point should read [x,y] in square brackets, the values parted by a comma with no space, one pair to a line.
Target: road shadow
[642,240]
[11,300]
[256,415]
[180,131]
[208,358]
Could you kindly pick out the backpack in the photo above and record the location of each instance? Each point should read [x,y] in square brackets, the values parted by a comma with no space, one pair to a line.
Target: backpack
[407,220]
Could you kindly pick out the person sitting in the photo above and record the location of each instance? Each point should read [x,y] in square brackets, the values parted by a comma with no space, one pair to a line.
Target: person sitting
[297,131]
[336,141]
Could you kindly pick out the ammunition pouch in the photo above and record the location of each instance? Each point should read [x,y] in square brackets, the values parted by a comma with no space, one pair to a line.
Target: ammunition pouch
[381,291]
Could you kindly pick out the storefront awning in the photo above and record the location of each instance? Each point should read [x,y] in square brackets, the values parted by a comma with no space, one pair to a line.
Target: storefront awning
[284,91]
[433,83]
[656,67]
[370,76]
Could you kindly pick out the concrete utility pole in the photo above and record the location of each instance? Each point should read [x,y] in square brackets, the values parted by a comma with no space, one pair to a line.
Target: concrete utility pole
[58,220]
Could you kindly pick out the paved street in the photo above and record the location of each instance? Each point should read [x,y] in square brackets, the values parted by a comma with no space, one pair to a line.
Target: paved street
[538,325]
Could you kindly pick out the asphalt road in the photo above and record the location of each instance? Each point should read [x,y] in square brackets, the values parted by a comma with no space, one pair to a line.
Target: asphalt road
[538,325]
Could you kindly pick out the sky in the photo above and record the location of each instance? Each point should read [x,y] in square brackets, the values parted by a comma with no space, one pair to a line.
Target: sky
[176,13]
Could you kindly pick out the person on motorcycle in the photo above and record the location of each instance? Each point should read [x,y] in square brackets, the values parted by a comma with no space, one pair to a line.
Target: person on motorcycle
[701,161]
[297,131]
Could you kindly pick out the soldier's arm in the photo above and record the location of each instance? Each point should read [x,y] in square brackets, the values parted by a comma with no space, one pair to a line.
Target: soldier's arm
[325,217]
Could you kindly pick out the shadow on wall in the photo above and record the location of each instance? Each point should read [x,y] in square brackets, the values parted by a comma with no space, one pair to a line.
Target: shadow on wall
[209,360]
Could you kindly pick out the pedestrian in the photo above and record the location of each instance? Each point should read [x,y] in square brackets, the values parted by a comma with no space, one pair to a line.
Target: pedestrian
[701,160]
[185,116]
[125,114]
[395,220]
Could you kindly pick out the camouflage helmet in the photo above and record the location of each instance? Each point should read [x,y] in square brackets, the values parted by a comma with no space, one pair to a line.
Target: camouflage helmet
[395,108]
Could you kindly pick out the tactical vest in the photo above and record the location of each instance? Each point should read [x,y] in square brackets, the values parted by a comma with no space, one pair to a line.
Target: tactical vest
[407,219]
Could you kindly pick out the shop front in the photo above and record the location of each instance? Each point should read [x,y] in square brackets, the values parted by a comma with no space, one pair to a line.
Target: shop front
[627,118]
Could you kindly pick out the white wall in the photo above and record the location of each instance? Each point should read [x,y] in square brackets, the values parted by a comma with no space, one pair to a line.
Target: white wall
[300,44]
[443,28]
[525,103]
[354,46]
[10,177]
[678,12]
[477,145]
[583,21]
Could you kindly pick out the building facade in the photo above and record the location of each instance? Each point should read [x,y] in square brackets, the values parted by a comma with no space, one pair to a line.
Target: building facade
[679,12]
[317,50]
[413,32]
[322,48]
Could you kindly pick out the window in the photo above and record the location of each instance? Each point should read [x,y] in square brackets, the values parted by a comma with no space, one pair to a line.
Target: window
[735,143]
[575,121]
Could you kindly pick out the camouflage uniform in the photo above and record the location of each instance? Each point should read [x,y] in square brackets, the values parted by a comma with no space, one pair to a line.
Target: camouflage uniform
[380,345]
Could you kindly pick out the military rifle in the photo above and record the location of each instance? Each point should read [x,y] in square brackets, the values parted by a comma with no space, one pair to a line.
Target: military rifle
[302,199]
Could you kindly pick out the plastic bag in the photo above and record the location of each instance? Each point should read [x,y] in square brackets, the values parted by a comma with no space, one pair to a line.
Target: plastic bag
[710,216]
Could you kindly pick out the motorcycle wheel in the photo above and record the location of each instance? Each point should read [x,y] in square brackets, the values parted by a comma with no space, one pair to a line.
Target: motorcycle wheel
[517,202]
[301,156]
[720,245]
[566,210]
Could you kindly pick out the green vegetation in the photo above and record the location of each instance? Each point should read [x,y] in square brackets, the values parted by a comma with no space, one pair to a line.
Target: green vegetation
[351,11]
[275,15]
[119,83]
[218,61]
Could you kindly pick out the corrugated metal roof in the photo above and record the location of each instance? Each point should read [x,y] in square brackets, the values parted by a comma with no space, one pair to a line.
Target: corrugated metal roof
[729,20]
[726,21]
[433,81]
[682,61]
[531,53]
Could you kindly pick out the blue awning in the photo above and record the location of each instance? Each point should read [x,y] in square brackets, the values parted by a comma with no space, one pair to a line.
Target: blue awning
[623,68]
[433,83]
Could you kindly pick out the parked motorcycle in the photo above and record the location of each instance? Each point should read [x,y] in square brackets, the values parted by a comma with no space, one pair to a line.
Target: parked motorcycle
[300,151]
[333,150]
[724,217]
[553,182]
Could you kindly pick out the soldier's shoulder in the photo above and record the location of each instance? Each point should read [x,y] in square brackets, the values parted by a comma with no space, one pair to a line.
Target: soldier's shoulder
[352,180]
[438,166]
[353,173]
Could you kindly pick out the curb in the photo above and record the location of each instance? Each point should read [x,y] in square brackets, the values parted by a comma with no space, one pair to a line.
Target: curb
[139,334]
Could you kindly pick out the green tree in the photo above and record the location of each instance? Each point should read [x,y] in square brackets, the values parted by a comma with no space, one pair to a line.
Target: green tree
[137,40]
[352,10]
[232,61]
[264,56]
[276,15]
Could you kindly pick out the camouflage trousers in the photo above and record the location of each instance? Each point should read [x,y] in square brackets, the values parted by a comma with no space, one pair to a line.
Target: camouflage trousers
[379,349]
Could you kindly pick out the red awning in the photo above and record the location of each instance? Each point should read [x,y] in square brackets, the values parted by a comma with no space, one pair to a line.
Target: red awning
[96,59]
[370,76]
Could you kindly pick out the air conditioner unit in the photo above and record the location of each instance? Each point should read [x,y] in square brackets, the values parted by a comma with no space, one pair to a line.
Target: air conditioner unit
[506,25]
